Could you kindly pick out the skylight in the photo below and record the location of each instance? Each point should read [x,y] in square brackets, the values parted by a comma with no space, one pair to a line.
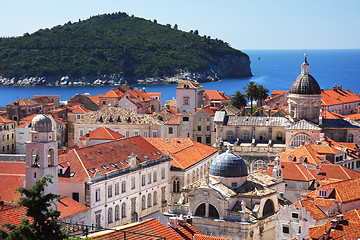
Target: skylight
[158,152]
[126,161]
[105,167]
[95,169]
[72,174]
[153,154]
[145,156]
[113,165]
[121,163]
[91,171]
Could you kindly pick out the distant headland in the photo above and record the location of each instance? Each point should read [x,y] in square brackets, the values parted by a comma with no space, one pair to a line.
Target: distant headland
[114,49]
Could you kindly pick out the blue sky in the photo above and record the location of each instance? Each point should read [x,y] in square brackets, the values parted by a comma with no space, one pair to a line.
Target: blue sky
[245,24]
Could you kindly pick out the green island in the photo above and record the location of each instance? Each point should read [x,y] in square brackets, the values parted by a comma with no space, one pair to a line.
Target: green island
[118,46]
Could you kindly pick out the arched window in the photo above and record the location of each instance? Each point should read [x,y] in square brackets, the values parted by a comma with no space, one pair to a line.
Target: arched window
[123,210]
[110,213]
[213,213]
[350,138]
[259,163]
[176,185]
[200,210]
[51,158]
[299,139]
[268,208]
[230,135]
[117,213]
[35,158]
[149,201]
[143,203]
[155,198]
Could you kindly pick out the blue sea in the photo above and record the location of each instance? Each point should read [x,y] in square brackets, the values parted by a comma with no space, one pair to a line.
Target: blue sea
[274,69]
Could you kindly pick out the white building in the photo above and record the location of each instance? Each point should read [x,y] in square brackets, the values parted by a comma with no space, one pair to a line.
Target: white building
[189,96]
[122,181]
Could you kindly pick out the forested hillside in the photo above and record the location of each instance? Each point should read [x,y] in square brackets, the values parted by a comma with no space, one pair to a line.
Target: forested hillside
[118,44]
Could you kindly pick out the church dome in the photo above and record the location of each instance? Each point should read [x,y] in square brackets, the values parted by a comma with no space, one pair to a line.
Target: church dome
[228,165]
[41,123]
[305,83]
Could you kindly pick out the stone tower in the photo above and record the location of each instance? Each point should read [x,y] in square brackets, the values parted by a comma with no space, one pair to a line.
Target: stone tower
[189,96]
[304,97]
[42,154]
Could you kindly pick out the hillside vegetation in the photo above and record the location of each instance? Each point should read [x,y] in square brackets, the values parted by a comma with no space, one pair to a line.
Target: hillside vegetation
[116,43]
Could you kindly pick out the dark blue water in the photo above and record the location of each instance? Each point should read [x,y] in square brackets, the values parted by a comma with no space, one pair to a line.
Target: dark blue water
[276,70]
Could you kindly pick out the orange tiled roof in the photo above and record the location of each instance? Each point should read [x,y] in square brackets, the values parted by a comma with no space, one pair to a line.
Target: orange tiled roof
[5,120]
[330,115]
[116,152]
[206,237]
[96,98]
[78,109]
[140,95]
[338,96]
[12,215]
[215,95]
[274,93]
[24,102]
[185,152]
[308,204]
[175,120]
[345,191]
[68,207]
[208,109]
[152,227]
[321,202]
[349,228]
[12,176]
[113,93]
[355,116]
[102,133]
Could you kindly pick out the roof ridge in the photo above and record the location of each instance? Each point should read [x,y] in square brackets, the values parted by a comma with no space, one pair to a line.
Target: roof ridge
[82,164]
[301,171]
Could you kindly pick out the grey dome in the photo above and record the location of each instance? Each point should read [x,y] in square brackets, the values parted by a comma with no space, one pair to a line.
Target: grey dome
[228,164]
[41,123]
[305,84]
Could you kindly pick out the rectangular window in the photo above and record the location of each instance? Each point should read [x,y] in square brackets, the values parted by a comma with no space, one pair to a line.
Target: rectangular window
[7,136]
[163,173]
[136,133]
[97,195]
[132,183]
[199,128]
[117,189]
[143,180]
[295,215]
[357,164]
[208,128]
[155,177]
[185,119]
[145,134]
[98,220]
[81,133]
[154,133]
[352,165]
[163,199]
[133,205]
[186,101]
[123,186]
[109,191]
[75,196]
[78,116]
[286,229]
[127,134]
[149,178]
[171,131]
[208,140]
[21,136]
[198,139]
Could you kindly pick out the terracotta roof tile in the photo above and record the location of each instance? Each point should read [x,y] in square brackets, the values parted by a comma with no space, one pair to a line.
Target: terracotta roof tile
[102,133]
[308,204]
[151,227]
[215,95]
[95,98]
[12,176]
[206,237]
[185,152]
[175,120]
[78,109]
[12,215]
[68,207]
[339,96]
[5,120]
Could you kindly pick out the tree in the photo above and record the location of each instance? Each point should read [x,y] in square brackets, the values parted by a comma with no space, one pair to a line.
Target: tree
[238,100]
[251,91]
[262,93]
[44,224]
[176,27]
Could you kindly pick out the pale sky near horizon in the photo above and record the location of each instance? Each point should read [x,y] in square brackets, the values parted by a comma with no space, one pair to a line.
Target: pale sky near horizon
[245,24]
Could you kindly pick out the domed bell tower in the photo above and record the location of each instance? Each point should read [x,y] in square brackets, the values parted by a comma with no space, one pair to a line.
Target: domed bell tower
[42,154]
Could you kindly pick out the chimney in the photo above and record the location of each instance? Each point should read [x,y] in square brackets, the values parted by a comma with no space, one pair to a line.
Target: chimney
[173,222]
[334,223]
[182,220]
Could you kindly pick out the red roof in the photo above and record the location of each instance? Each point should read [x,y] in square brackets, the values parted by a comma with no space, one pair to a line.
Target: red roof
[338,96]
[151,227]
[175,120]
[308,204]
[185,152]
[12,215]
[78,109]
[206,237]
[330,115]
[85,161]
[274,93]
[208,109]
[113,93]
[12,176]
[5,120]
[215,95]
[96,99]
[348,228]
[102,133]
[68,207]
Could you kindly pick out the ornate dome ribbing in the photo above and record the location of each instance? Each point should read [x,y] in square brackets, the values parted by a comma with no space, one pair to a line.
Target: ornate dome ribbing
[41,123]
[228,164]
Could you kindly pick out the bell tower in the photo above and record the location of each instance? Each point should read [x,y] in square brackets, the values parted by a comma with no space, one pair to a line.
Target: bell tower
[42,154]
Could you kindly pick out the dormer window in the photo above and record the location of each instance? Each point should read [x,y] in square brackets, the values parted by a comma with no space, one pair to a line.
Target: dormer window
[322,193]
